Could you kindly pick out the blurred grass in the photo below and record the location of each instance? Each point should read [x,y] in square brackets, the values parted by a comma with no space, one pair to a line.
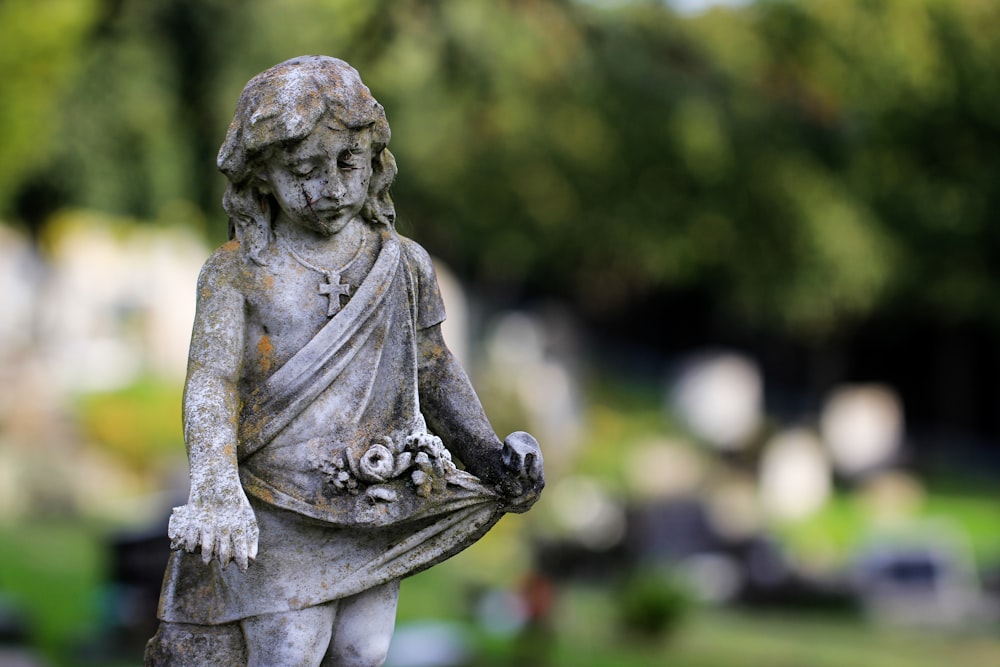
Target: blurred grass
[836,532]
[53,571]
[587,632]
[729,639]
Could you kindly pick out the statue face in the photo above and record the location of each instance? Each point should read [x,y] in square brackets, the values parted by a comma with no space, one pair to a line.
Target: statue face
[321,182]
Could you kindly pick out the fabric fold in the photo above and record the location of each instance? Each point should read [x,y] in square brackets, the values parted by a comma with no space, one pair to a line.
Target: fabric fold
[303,377]
[349,489]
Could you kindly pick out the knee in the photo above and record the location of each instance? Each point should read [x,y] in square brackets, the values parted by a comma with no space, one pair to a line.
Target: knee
[369,651]
[364,628]
[288,647]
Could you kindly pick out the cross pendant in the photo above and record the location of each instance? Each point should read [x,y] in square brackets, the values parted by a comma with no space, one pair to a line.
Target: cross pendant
[333,289]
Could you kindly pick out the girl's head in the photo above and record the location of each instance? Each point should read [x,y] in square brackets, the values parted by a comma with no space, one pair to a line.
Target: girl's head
[280,107]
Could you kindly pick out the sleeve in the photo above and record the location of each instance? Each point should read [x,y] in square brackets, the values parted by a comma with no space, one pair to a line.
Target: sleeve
[429,304]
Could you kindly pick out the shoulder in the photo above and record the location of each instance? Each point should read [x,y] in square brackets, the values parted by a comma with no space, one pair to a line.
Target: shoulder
[416,257]
[224,267]
[430,307]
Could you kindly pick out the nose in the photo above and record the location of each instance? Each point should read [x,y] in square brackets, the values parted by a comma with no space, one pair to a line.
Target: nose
[334,186]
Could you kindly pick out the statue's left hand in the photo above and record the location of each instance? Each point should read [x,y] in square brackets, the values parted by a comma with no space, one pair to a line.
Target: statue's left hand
[524,480]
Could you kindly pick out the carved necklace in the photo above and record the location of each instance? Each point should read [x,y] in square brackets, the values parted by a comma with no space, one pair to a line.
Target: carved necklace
[331,287]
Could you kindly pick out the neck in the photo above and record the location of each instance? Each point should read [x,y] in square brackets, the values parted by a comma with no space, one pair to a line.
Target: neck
[324,248]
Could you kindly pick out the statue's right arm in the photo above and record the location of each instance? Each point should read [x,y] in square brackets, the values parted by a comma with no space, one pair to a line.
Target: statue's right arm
[218,518]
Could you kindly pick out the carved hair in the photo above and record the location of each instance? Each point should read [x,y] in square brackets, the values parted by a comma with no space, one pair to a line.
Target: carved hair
[281,106]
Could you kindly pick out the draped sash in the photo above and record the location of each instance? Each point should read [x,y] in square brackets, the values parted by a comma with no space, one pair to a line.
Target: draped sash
[300,380]
[314,552]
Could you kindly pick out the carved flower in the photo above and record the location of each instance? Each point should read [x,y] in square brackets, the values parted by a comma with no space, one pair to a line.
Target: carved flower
[377,464]
[334,470]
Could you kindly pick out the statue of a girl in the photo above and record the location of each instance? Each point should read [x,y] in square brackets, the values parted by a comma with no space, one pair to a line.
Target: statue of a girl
[322,406]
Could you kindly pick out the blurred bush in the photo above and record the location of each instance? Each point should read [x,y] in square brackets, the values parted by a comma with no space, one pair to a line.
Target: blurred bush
[653,603]
[803,164]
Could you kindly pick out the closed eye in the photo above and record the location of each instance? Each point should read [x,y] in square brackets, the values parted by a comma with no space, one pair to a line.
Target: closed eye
[304,169]
[350,160]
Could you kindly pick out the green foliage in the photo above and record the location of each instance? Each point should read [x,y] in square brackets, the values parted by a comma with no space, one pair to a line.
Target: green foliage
[40,41]
[653,603]
[875,132]
[804,163]
[139,425]
[52,571]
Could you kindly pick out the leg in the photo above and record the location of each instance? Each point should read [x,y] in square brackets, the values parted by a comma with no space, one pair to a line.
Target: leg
[184,645]
[364,627]
[290,639]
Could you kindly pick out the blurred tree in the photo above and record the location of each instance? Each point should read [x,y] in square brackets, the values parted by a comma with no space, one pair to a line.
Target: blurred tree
[805,164]
[39,44]
[866,143]
[534,142]
[142,121]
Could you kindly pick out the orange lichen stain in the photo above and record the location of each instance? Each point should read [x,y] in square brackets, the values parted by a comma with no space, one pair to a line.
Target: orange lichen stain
[229,451]
[231,246]
[265,495]
[265,353]
[268,282]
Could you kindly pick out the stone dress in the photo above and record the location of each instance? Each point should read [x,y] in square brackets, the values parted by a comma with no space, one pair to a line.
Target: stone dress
[349,489]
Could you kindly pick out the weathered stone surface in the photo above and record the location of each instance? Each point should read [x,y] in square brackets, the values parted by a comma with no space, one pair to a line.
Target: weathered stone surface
[322,408]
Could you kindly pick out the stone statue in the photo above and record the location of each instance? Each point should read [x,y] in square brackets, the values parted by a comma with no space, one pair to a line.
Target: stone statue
[322,406]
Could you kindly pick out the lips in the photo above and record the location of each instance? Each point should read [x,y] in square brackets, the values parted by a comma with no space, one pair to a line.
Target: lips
[323,204]
[327,210]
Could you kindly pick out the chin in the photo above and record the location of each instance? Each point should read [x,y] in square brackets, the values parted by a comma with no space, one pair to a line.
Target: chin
[329,227]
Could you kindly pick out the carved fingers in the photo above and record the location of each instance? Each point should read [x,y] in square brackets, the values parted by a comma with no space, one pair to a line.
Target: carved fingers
[183,529]
[522,460]
[225,533]
[523,455]
[245,546]
[235,539]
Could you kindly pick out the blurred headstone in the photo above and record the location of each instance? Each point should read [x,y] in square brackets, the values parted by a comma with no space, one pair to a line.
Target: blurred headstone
[20,273]
[530,360]
[501,612]
[795,477]
[720,397]
[671,530]
[588,512]
[734,507]
[455,329]
[713,577]
[665,468]
[863,427]
[20,657]
[922,575]
[429,644]
[117,301]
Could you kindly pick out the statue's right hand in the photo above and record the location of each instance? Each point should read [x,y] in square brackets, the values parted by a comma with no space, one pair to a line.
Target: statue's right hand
[223,527]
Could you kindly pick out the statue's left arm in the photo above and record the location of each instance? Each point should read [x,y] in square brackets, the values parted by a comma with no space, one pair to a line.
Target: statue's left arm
[454,412]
